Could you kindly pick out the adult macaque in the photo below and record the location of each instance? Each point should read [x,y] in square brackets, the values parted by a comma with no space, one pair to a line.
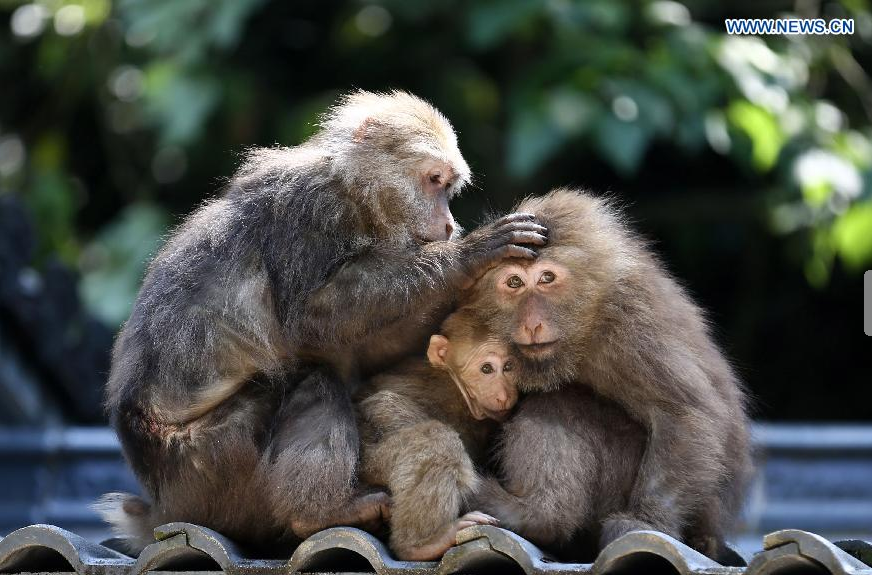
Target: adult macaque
[426,427]
[596,310]
[231,381]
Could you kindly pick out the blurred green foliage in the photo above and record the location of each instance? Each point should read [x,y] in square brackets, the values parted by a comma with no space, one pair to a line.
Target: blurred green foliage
[739,152]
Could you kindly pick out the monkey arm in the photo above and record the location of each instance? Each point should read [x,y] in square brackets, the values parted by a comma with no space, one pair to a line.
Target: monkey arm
[549,473]
[386,283]
[429,474]
[377,288]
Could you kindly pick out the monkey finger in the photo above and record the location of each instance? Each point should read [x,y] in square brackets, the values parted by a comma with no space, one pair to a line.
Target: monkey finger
[480,518]
[524,226]
[516,217]
[528,238]
[513,251]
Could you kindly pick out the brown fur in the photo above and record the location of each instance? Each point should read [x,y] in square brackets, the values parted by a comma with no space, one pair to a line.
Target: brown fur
[420,441]
[231,382]
[625,330]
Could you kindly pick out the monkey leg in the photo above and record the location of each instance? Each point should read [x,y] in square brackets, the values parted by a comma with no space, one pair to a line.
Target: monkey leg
[549,466]
[202,472]
[311,467]
[681,470]
[429,474]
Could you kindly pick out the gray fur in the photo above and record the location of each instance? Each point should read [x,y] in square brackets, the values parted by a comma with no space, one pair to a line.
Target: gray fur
[230,383]
[630,334]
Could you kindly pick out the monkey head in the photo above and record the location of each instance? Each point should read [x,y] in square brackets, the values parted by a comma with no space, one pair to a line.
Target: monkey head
[401,155]
[482,369]
[550,310]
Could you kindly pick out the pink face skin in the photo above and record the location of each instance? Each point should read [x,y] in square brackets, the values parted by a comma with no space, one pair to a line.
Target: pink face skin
[528,289]
[483,373]
[437,183]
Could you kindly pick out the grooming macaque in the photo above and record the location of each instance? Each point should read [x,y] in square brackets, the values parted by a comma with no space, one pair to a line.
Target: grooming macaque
[597,311]
[426,426]
[320,265]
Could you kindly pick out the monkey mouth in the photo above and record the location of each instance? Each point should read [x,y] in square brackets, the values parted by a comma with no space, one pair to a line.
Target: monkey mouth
[537,350]
[499,414]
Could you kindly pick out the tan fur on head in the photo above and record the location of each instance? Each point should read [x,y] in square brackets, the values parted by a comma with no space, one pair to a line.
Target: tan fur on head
[393,125]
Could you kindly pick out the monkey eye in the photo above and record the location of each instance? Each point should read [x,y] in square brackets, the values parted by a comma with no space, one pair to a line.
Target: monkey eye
[448,186]
[547,278]
[487,368]
[514,282]
[508,366]
[434,178]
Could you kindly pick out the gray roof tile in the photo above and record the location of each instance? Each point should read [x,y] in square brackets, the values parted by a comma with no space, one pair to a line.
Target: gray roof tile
[481,549]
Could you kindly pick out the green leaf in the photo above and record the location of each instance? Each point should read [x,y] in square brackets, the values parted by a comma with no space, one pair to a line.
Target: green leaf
[817,193]
[179,102]
[533,138]
[622,144]
[114,262]
[763,130]
[491,22]
[852,235]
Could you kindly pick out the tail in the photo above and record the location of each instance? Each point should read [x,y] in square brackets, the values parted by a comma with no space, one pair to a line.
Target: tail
[131,517]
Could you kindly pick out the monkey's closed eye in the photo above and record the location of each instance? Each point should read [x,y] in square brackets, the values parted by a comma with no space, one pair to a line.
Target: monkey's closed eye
[514,282]
[434,178]
[547,278]
[487,368]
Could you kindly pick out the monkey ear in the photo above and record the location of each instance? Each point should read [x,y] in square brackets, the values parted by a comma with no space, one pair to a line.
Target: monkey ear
[437,350]
[363,130]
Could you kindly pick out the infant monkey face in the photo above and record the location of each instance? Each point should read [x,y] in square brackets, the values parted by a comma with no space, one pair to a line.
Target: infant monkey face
[488,377]
[484,372]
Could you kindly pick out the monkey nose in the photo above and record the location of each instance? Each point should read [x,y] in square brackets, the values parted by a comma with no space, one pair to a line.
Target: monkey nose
[449,229]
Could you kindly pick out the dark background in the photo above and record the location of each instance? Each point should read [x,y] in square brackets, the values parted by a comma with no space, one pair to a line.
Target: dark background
[746,160]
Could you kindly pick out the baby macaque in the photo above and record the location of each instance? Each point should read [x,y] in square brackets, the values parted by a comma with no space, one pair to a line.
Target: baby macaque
[426,426]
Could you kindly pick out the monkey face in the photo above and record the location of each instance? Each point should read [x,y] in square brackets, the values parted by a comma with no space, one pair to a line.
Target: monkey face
[484,374]
[438,183]
[534,291]
[487,381]
[403,153]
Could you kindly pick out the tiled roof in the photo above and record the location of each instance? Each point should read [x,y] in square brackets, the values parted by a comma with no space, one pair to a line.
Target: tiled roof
[482,549]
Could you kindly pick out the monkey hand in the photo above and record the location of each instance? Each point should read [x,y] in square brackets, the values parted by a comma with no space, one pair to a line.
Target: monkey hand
[444,539]
[511,236]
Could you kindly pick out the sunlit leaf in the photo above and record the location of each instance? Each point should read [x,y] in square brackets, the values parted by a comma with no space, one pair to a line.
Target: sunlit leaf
[817,193]
[762,128]
[852,235]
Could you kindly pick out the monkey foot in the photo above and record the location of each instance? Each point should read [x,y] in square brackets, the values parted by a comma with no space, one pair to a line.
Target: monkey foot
[443,541]
[368,512]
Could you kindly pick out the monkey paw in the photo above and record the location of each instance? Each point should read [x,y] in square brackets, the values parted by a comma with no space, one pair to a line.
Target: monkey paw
[618,526]
[368,512]
[444,540]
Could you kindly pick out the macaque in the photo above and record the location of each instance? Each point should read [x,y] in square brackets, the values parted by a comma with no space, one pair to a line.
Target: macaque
[427,427]
[597,311]
[321,264]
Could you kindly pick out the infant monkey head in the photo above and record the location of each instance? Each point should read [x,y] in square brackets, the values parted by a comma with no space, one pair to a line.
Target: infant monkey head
[480,366]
